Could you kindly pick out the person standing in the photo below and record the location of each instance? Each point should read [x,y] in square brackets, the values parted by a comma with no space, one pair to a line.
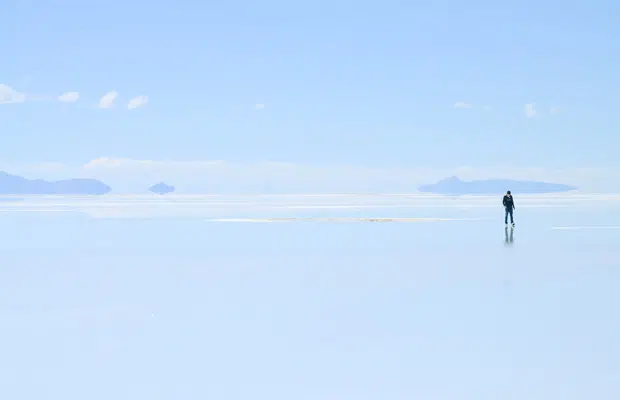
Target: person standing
[509,206]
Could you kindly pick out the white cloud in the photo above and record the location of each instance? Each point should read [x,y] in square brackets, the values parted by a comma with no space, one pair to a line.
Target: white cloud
[260,106]
[555,110]
[107,163]
[104,162]
[9,95]
[461,104]
[69,97]
[530,112]
[115,163]
[137,102]
[108,99]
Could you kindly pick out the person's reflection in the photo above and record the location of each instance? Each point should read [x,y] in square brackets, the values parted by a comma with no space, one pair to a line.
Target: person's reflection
[509,239]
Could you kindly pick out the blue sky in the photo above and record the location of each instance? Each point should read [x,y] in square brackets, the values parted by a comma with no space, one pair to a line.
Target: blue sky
[366,84]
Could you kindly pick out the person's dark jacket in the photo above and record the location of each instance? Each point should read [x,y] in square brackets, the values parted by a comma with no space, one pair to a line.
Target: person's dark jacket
[509,202]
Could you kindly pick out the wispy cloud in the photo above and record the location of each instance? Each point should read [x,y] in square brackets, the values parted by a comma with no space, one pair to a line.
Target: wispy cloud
[529,110]
[9,95]
[108,99]
[107,162]
[69,97]
[260,106]
[112,162]
[136,102]
[555,110]
[461,104]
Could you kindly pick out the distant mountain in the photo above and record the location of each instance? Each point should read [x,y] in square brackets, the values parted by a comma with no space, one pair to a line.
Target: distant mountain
[13,184]
[455,186]
[161,188]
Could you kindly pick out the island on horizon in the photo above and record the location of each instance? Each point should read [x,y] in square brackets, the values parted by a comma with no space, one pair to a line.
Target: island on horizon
[454,186]
[161,188]
[17,185]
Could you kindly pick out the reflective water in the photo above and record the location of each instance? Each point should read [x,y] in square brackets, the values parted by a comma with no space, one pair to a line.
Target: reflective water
[158,298]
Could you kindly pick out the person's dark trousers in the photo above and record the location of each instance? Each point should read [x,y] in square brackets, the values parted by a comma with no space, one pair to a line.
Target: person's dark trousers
[508,212]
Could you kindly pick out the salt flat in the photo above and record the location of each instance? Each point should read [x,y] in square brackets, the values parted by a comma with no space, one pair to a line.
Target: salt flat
[167,298]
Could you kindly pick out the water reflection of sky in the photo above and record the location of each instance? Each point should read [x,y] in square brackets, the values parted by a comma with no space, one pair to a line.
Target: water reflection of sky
[184,307]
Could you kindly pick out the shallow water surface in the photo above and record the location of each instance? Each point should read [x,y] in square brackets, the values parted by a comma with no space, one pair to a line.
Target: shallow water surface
[131,298]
